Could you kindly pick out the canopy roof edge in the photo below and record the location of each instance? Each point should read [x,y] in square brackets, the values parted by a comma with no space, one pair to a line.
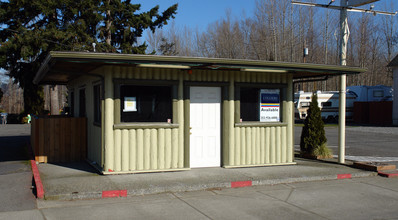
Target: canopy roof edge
[54,71]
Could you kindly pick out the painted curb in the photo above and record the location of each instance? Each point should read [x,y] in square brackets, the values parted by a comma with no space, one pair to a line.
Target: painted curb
[238,184]
[388,175]
[36,177]
[114,193]
[202,186]
[344,176]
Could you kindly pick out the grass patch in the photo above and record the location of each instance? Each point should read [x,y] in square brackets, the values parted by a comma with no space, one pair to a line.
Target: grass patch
[323,151]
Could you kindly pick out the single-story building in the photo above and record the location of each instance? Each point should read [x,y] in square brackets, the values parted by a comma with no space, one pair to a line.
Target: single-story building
[394,65]
[160,113]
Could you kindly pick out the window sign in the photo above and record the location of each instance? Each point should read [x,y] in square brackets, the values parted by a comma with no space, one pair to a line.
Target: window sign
[130,104]
[269,105]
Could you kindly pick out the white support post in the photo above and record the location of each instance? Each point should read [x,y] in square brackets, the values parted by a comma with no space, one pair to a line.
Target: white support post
[344,34]
[109,121]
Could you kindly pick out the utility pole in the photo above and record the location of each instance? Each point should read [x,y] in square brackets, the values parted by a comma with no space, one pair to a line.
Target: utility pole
[345,5]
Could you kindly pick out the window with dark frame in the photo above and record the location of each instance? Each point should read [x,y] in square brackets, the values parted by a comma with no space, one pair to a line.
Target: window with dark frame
[82,103]
[145,103]
[97,103]
[250,104]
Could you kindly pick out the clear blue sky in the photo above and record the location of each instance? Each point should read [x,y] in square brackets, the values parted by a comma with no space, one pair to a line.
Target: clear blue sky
[200,13]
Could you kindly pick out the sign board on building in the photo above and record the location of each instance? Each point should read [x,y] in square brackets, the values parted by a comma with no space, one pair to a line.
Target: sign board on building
[355,3]
[269,105]
[130,104]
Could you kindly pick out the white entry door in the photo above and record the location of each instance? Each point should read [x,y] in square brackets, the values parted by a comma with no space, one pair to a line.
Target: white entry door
[205,113]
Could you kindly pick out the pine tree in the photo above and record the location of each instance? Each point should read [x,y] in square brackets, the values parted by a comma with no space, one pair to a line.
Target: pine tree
[30,29]
[313,133]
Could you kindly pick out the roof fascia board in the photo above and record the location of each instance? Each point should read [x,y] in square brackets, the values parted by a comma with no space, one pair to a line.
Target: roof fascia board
[202,60]
[194,62]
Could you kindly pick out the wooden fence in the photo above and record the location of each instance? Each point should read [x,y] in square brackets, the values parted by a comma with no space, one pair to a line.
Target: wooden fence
[59,139]
[375,113]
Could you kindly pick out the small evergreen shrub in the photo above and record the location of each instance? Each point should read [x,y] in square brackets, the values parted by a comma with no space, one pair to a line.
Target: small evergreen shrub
[313,139]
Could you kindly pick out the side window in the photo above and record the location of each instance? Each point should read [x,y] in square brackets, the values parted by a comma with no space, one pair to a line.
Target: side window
[305,104]
[97,103]
[82,103]
[326,104]
[145,103]
[378,93]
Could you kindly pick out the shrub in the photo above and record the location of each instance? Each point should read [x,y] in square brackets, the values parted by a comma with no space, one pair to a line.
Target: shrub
[313,133]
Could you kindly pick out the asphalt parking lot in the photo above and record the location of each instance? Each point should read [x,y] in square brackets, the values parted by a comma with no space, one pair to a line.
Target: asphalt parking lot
[365,143]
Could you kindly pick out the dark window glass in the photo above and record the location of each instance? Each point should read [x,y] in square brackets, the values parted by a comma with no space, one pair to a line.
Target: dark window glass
[378,93]
[249,104]
[82,103]
[145,103]
[97,103]
[326,104]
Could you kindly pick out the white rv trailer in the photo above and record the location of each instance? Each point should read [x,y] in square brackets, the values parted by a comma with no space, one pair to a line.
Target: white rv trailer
[328,102]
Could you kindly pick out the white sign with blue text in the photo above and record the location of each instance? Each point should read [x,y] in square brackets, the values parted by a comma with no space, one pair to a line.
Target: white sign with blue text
[269,105]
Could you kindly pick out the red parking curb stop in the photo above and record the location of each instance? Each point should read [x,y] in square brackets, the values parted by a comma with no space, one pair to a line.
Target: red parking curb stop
[36,176]
[237,184]
[344,176]
[123,193]
[114,193]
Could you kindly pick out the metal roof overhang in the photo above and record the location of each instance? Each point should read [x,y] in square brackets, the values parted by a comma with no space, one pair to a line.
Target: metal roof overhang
[61,67]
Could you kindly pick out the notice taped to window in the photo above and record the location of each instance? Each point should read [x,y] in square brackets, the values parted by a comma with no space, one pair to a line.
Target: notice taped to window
[269,105]
[130,104]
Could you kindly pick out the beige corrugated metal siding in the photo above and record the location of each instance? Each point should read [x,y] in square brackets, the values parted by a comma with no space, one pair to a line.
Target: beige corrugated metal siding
[135,149]
[147,149]
[261,146]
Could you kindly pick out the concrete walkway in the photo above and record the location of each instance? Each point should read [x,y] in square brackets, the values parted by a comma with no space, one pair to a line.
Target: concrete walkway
[80,180]
[357,198]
